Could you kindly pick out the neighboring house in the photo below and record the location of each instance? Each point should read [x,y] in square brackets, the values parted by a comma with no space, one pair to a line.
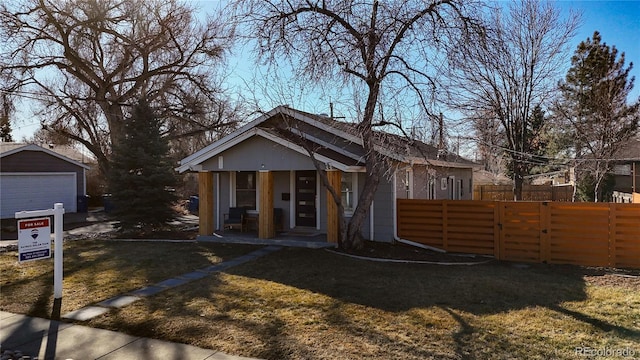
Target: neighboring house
[266,164]
[35,178]
[626,172]
[554,178]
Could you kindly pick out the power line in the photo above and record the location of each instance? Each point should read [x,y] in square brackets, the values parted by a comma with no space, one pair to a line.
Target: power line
[563,161]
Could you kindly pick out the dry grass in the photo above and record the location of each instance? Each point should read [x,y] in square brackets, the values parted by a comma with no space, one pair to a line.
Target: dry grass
[313,304]
[97,270]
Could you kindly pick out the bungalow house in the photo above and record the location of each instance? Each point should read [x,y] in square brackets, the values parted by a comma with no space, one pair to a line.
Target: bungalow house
[266,165]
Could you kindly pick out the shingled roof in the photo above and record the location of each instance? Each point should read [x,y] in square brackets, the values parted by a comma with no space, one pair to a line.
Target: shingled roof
[335,141]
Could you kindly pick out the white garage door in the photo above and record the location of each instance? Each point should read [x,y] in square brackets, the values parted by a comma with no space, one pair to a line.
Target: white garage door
[36,191]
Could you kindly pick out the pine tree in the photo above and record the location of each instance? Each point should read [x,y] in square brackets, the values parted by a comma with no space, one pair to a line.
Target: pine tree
[594,106]
[142,175]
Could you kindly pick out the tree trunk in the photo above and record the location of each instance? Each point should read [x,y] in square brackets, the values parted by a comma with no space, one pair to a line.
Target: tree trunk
[596,187]
[353,235]
[518,179]
[373,164]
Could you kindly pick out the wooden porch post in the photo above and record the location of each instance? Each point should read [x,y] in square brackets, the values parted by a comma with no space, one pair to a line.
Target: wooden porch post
[266,227]
[333,224]
[205,205]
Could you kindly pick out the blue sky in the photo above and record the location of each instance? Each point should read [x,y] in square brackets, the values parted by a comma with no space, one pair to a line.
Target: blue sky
[617,21]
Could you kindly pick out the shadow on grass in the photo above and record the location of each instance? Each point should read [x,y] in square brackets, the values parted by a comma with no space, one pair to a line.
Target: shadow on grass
[480,289]
[97,270]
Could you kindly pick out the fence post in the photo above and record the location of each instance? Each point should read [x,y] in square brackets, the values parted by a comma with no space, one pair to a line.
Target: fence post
[497,229]
[445,225]
[613,207]
[545,225]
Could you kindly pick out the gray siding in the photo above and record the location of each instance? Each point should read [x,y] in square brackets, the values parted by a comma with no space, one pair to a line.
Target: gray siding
[224,197]
[420,178]
[281,180]
[253,153]
[382,211]
[383,205]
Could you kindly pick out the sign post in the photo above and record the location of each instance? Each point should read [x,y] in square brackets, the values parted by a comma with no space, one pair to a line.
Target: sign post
[34,240]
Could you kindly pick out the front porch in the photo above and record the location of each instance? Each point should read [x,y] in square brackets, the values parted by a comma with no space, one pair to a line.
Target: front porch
[299,193]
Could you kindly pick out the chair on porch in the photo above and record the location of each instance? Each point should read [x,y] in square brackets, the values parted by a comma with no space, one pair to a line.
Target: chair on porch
[235,218]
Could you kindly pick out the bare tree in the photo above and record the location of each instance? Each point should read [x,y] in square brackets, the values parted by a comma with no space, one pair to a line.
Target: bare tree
[7,106]
[488,135]
[381,47]
[90,61]
[6,109]
[510,69]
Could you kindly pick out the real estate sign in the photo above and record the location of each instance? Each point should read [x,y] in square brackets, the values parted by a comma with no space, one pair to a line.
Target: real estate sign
[34,239]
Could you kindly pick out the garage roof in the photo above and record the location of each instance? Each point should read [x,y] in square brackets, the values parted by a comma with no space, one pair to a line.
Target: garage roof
[7,149]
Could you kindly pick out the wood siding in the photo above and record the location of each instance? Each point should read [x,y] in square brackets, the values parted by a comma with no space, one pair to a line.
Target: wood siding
[593,234]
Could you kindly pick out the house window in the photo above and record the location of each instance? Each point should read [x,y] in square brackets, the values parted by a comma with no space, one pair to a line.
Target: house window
[432,188]
[408,183]
[349,185]
[460,188]
[246,189]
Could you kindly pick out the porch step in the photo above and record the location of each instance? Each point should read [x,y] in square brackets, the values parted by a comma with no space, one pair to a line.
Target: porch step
[256,241]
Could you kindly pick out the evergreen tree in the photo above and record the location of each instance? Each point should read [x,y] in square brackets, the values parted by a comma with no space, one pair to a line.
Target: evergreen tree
[595,110]
[142,174]
[5,130]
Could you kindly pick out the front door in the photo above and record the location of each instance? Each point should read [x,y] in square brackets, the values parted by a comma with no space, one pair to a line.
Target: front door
[306,198]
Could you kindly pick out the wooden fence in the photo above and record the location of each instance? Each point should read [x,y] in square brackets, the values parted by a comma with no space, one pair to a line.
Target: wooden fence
[529,192]
[593,234]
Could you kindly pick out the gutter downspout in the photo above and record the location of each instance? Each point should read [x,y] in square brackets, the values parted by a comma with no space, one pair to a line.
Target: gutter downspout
[395,222]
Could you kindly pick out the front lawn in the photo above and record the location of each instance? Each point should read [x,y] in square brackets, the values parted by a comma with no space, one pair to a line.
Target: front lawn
[96,270]
[314,304]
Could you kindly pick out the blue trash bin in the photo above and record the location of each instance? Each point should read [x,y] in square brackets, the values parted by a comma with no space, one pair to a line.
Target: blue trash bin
[83,203]
[194,204]
[108,204]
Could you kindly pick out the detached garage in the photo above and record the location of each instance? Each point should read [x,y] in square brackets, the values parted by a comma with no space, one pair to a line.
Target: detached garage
[34,178]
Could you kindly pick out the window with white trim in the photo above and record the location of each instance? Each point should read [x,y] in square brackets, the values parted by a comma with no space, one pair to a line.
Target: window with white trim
[349,192]
[431,195]
[246,189]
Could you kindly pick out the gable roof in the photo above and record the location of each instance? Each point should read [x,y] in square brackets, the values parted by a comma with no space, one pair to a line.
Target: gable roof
[7,149]
[334,142]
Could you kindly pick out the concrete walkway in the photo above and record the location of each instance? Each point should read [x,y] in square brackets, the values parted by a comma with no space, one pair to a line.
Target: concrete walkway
[89,312]
[23,337]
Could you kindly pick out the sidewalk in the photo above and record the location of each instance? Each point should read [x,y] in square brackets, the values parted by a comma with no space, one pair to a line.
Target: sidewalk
[36,338]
